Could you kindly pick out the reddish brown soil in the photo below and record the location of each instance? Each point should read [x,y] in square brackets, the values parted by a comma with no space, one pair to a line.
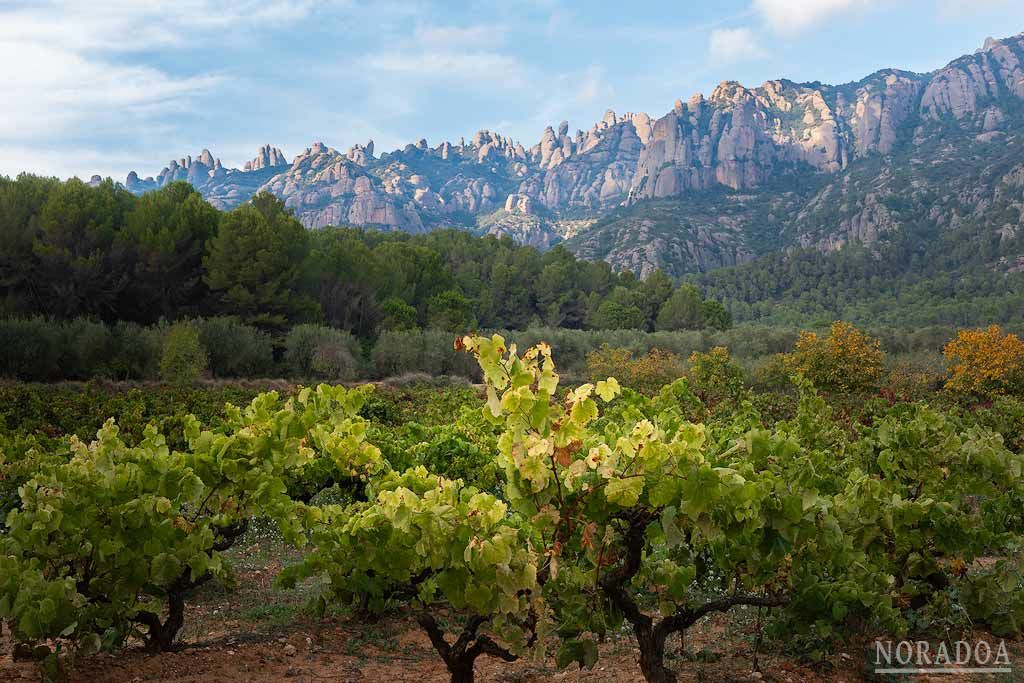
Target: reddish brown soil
[338,653]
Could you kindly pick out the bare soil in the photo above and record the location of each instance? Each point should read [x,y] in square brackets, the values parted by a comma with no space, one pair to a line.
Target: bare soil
[259,633]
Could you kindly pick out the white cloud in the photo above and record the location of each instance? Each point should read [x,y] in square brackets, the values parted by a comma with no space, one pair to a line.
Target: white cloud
[71,71]
[65,90]
[454,54]
[795,16]
[453,37]
[728,45]
[577,96]
[448,65]
[465,58]
[129,25]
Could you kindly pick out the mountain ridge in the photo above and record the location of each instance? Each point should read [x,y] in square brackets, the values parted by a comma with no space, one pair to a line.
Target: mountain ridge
[773,154]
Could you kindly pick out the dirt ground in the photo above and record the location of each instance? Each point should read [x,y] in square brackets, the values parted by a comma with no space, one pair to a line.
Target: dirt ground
[396,651]
[259,633]
[393,651]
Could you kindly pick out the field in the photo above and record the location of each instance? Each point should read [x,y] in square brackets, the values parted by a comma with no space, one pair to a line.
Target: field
[882,504]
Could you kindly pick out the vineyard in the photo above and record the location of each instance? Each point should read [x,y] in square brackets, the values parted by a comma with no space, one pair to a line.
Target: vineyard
[662,521]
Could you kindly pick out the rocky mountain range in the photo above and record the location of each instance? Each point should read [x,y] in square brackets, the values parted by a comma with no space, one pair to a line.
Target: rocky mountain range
[715,181]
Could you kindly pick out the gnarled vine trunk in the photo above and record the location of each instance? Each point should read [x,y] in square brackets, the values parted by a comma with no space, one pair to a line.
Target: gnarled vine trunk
[160,635]
[650,634]
[460,657]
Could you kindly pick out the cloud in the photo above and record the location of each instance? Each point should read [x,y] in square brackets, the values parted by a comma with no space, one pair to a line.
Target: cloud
[458,58]
[572,96]
[453,37]
[728,45]
[791,17]
[128,25]
[65,90]
[72,71]
[456,54]
[457,67]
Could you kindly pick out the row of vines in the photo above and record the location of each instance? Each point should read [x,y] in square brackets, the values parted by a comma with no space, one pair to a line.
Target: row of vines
[604,508]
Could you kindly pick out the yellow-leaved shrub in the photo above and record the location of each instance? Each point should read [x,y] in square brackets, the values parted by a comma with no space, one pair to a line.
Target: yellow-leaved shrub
[847,360]
[985,362]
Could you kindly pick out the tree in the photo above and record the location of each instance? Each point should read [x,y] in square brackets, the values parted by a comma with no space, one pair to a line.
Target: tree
[183,359]
[83,265]
[20,203]
[684,310]
[450,311]
[715,315]
[618,311]
[397,315]
[167,232]
[346,277]
[655,291]
[254,264]
[716,376]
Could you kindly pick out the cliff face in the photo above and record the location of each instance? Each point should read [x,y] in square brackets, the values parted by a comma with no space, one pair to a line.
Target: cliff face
[775,160]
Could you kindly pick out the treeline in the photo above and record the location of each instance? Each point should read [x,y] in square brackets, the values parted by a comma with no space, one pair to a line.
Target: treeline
[916,277]
[70,250]
[39,349]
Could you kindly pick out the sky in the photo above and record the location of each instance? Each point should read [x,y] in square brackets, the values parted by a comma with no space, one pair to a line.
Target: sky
[108,86]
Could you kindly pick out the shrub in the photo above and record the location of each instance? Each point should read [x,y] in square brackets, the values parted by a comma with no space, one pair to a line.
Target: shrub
[986,362]
[135,351]
[30,349]
[646,374]
[911,382]
[318,351]
[235,349]
[847,360]
[715,376]
[85,349]
[183,359]
[419,351]
[106,543]
[772,373]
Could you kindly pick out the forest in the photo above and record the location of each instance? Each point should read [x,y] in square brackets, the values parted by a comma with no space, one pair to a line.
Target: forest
[70,250]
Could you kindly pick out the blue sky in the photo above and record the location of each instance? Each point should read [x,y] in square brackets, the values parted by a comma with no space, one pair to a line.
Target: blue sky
[111,86]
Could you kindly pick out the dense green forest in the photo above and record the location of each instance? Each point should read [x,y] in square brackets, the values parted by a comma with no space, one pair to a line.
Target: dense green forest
[68,250]
[916,277]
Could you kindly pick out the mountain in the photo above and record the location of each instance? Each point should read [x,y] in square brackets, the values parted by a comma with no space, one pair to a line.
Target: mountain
[716,181]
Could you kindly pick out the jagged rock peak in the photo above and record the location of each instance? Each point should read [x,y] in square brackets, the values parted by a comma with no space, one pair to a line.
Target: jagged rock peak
[729,92]
[268,157]
[361,154]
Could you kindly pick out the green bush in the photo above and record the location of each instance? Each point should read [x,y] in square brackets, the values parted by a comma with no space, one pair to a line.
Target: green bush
[235,349]
[30,349]
[183,360]
[135,351]
[325,352]
[85,349]
[429,352]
